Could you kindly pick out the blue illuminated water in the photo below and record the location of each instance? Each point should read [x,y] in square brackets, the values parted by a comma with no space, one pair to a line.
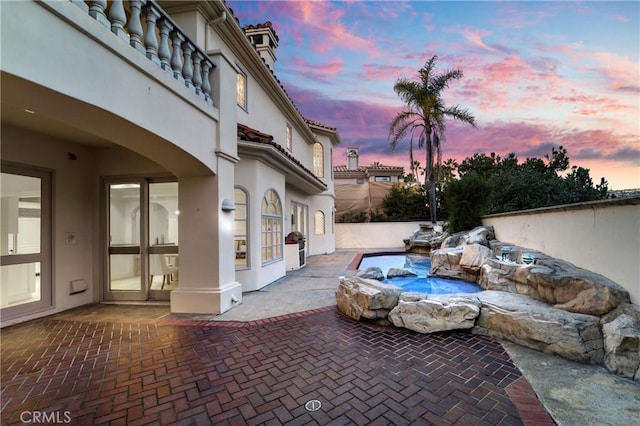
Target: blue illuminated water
[421,265]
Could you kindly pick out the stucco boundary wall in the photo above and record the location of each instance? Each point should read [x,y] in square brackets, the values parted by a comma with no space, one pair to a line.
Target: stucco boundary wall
[388,235]
[601,236]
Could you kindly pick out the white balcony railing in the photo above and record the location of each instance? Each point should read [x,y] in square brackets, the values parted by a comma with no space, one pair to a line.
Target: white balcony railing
[152,32]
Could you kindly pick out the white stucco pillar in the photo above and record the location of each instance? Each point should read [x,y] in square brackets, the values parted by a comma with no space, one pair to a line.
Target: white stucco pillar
[207,272]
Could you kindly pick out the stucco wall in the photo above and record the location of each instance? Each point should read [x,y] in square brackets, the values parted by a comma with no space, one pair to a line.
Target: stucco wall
[603,237]
[387,235]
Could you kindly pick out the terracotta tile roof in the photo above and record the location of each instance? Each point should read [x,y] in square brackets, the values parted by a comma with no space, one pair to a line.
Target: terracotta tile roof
[246,133]
[373,167]
[344,169]
[319,124]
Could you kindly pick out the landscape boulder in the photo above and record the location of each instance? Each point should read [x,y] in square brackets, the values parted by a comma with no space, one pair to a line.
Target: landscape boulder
[433,313]
[539,326]
[400,272]
[371,273]
[621,330]
[366,298]
[559,283]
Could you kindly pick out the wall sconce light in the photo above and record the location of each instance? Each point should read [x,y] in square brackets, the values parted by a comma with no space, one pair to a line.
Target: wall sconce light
[228,205]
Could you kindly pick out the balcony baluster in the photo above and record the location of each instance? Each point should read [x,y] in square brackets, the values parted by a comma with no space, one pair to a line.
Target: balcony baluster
[164,52]
[150,38]
[207,66]
[118,18]
[135,26]
[176,57]
[96,11]
[160,40]
[187,64]
[197,71]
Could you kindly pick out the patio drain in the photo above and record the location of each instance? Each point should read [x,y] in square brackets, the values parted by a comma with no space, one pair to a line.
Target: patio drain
[313,405]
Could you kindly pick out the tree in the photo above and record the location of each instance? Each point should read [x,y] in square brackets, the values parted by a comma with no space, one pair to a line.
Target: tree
[534,183]
[424,117]
[404,203]
[465,200]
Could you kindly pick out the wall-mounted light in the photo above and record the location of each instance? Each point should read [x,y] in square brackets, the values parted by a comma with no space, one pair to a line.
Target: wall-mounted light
[228,205]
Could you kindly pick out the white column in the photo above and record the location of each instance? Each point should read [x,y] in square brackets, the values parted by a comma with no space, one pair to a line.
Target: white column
[207,269]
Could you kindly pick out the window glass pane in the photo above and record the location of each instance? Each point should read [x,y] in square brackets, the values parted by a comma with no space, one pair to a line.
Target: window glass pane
[318,160]
[124,272]
[124,214]
[241,87]
[163,213]
[19,284]
[271,227]
[319,223]
[20,214]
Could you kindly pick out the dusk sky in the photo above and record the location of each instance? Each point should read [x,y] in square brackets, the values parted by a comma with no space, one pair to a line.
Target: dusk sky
[536,74]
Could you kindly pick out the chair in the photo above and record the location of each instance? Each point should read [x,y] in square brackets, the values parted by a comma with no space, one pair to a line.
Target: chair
[159,265]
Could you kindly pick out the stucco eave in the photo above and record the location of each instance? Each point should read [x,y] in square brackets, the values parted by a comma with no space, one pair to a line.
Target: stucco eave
[295,175]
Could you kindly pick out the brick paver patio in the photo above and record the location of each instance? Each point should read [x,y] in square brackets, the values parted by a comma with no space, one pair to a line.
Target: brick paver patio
[263,372]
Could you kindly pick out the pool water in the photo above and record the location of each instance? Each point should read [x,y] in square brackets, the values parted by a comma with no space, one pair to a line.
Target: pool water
[420,265]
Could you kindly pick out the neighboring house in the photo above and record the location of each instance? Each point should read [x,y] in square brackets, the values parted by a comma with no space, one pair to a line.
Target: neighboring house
[353,173]
[150,153]
[359,189]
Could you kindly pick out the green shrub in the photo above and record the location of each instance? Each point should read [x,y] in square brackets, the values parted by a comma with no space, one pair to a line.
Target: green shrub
[465,200]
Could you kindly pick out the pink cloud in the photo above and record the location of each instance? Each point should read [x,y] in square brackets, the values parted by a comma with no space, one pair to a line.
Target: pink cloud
[475,37]
[319,72]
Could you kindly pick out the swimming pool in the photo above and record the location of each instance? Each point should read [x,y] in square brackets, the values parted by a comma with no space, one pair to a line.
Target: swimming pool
[421,265]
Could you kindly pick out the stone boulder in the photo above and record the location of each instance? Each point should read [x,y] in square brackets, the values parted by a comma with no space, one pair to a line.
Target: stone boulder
[400,272]
[622,341]
[424,239]
[482,235]
[539,326]
[435,313]
[365,298]
[559,283]
[622,346]
[445,263]
[371,273]
[473,257]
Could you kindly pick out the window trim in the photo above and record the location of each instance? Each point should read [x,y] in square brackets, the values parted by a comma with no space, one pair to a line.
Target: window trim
[319,214]
[245,100]
[318,160]
[289,137]
[45,255]
[247,229]
[277,236]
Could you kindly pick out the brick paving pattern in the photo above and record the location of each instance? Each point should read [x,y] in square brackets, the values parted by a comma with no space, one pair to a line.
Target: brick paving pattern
[185,373]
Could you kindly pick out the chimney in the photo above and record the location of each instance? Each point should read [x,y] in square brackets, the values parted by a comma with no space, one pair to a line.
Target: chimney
[264,38]
[352,158]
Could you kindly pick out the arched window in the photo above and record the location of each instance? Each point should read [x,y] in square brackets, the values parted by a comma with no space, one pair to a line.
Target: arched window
[318,160]
[272,238]
[240,227]
[318,225]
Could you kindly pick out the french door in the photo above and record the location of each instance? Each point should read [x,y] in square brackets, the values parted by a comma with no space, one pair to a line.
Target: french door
[25,241]
[142,261]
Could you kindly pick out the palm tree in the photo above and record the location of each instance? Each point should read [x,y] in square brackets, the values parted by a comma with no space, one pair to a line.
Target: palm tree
[425,116]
